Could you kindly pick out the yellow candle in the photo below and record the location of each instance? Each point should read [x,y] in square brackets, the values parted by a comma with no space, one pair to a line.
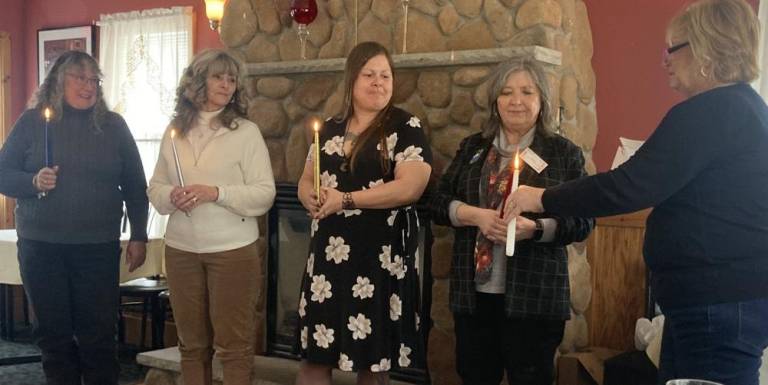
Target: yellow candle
[316,160]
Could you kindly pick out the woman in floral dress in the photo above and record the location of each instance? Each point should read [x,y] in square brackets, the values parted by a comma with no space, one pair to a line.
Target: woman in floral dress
[360,294]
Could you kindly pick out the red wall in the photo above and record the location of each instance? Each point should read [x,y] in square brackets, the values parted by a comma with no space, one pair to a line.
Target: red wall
[43,14]
[632,93]
[11,21]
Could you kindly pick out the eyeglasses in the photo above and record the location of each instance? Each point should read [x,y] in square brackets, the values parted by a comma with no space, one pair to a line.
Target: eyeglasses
[82,80]
[668,51]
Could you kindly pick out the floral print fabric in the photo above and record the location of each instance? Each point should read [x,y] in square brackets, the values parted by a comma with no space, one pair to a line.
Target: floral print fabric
[359,294]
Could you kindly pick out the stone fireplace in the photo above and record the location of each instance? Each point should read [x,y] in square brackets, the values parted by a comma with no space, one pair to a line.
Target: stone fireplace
[452,46]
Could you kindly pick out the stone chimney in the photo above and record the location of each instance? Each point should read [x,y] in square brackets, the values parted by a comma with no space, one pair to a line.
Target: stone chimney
[452,47]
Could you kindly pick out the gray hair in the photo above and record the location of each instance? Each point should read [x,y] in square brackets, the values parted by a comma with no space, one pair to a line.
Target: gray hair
[51,92]
[546,122]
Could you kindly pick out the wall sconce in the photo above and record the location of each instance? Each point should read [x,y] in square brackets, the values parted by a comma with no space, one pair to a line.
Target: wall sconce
[214,10]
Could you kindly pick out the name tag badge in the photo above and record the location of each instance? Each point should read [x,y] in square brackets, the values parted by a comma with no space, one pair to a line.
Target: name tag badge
[534,160]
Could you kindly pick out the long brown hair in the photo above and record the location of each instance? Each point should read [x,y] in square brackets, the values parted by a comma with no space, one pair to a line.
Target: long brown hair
[51,92]
[357,59]
[191,94]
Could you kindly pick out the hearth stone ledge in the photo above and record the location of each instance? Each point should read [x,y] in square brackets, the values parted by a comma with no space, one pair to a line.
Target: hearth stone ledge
[165,369]
[413,60]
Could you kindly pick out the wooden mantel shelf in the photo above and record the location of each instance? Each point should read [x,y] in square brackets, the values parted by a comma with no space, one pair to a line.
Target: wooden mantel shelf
[413,60]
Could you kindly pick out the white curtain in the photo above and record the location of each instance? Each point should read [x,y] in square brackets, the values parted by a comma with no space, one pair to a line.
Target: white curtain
[142,55]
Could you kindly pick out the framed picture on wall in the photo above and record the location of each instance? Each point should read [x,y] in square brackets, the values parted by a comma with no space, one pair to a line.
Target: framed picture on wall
[53,42]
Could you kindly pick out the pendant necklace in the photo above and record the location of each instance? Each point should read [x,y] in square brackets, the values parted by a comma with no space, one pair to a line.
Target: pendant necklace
[353,138]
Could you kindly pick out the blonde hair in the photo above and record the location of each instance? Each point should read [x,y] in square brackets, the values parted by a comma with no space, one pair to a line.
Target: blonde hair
[191,94]
[723,35]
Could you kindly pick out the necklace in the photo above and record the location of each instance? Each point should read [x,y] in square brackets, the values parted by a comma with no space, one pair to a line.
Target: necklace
[351,136]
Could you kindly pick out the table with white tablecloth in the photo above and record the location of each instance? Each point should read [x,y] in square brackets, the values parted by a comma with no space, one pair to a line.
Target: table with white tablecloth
[10,275]
[9,263]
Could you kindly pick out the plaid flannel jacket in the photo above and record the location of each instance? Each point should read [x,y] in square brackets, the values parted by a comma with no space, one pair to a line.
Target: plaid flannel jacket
[537,276]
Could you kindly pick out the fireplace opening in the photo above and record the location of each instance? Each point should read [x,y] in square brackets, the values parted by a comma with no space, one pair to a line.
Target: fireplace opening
[288,235]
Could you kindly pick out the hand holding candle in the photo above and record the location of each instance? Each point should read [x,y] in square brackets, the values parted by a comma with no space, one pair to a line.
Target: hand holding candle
[513,222]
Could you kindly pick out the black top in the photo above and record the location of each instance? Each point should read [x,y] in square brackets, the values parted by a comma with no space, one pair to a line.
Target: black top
[705,170]
[537,276]
[98,171]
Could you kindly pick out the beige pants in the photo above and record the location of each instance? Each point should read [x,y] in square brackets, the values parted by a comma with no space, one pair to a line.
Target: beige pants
[213,297]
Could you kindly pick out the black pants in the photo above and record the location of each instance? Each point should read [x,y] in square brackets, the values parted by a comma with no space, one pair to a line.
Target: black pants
[488,343]
[73,290]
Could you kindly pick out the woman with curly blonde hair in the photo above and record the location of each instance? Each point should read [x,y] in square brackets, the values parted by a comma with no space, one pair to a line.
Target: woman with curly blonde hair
[214,269]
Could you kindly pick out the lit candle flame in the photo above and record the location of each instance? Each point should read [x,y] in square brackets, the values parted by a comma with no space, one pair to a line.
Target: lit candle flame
[316,126]
[47,114]
[173,134]
[517,161]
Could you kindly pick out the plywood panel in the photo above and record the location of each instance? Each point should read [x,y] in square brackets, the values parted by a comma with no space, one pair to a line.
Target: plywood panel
[618,280]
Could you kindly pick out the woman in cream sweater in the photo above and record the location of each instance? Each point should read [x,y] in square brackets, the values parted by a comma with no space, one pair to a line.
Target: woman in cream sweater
[211,258]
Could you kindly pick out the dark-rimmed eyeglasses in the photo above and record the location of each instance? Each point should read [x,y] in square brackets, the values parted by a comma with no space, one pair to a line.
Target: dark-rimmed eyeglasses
[82,80]
[670,50]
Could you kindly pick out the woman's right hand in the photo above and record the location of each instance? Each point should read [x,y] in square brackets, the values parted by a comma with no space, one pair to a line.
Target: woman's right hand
[309,200]
[487,220]
[45,179]
[175,198]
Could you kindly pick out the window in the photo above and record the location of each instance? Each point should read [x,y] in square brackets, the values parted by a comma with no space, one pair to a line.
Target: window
[143,54]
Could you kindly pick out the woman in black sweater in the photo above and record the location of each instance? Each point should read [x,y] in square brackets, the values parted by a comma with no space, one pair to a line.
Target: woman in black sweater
[70,178]
[705,172]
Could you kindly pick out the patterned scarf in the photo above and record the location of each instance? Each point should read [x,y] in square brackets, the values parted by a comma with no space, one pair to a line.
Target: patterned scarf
[492,190]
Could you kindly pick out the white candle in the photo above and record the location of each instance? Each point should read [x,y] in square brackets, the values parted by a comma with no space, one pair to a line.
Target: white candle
[316,161]
[513,223]
[178,165]
[176,159]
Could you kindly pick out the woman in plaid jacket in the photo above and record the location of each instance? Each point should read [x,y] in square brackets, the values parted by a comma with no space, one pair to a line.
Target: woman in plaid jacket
[509,312]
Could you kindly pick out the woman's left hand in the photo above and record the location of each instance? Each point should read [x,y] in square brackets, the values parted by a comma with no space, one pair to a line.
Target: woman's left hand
[135,254]
[189,197]
[331,199]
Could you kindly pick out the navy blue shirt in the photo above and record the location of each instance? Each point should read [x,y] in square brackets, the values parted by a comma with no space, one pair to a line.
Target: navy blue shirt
[705,172]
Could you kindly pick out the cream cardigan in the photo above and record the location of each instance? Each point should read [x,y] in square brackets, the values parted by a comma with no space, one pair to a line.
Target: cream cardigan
[237,162]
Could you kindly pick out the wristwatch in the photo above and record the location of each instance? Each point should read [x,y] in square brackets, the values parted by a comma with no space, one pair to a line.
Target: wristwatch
[538,231]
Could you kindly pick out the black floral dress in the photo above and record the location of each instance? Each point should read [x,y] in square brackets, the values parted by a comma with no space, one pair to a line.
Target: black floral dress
[359,302]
